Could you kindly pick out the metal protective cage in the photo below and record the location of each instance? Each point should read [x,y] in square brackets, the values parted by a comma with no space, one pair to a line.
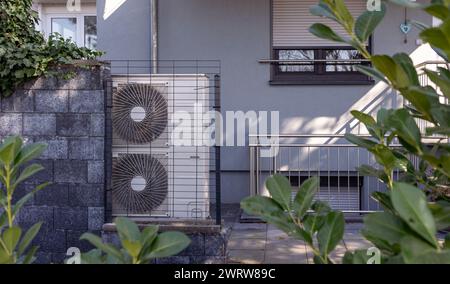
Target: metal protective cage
[151,173]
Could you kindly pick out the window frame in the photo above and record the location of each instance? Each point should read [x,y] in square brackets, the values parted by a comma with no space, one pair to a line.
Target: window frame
[51,12]
[306,78]
[319,76]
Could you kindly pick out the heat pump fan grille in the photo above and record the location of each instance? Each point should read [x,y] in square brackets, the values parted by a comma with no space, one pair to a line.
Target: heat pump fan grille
[154,110]
[153,190]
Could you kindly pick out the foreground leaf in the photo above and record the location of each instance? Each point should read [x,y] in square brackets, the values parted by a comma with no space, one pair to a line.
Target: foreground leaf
[411,204]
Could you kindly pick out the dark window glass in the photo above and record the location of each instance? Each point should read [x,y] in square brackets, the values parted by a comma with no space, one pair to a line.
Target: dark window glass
[322,65]
[90,32]
[341,54]
[296,54]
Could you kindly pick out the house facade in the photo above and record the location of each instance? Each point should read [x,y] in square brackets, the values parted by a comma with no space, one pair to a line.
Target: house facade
[254,40]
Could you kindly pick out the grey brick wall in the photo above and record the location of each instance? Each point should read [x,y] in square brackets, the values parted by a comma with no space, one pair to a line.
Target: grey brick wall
[68,115]
[205,247]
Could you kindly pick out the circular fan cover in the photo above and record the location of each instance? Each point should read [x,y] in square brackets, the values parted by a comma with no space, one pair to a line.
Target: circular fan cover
[151,170]
[132,96]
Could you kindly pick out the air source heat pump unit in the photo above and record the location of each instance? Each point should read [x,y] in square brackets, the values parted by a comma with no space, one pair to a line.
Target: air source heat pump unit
[152,175]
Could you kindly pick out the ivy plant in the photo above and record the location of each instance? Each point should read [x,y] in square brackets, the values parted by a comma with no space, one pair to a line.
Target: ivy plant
[25,53]
[136,247]
[302,218]
[14,158]
[417,203]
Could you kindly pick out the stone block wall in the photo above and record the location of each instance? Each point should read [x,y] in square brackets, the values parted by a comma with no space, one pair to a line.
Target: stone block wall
[208,243]
[69,116]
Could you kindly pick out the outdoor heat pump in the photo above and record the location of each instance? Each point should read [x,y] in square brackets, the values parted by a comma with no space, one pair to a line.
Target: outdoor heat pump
[153,175]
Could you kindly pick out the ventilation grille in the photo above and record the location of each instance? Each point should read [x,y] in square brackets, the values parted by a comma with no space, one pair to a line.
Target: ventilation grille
[149,108]
[139,183]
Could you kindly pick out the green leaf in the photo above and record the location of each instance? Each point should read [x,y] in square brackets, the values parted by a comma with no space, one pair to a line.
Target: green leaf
[29,153]
[331,232]
[411,204]
[30,256]
[389,67]
[133,248]
[98,243]
[371,72]
[447,242]
[314,221]
[367,23]
[29,237]
[148,236]
[366,170]
[423,100]
[384,199]
[386,227]
[94,256]
[407,130]
[281,190]
[439,11]
[439,39]
[27,173]
[441,79]
[405,63]
[269,210]
[11,237]
[127,230]
[370,123]
[415,251]
[387,157]
[322,10]
[343,14]
[169,244]
[325,32]
[441,214]
[7,152]
[305,196]
[359,256]
[362,142]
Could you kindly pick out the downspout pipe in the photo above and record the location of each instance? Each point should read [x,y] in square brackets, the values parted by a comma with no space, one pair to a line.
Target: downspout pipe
[154,36]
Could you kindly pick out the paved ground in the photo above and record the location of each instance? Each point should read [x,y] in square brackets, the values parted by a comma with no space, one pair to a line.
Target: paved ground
[264,244]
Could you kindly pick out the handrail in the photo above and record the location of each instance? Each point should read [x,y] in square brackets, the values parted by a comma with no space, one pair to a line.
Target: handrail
[428,62]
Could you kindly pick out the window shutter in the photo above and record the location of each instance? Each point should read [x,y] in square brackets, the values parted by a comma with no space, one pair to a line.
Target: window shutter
[292,19]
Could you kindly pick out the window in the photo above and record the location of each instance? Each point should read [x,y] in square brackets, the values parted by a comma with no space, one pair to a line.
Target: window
[298,57]
[67,27]
[332,65]
[81,27]
[90,32]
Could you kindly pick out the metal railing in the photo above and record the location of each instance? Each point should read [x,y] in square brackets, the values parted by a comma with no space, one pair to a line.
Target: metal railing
[331,158]
[424,80]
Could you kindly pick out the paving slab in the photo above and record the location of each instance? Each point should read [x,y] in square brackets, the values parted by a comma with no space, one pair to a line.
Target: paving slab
[246,256]
[260,243]
[246,244]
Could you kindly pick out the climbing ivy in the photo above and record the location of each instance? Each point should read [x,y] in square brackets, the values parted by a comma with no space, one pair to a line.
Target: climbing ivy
[25,53]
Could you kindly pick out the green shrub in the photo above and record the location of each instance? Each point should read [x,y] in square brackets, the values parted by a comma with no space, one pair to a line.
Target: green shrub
[14,246]
[406,231]
[136,247]
[302,218]
[24,53]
